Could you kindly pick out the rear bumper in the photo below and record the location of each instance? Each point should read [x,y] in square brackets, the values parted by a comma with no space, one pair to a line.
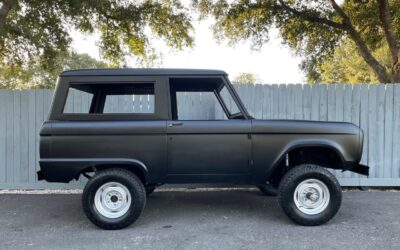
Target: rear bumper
[40,175]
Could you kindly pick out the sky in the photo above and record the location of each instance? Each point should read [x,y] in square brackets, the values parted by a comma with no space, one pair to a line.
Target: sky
[274,63]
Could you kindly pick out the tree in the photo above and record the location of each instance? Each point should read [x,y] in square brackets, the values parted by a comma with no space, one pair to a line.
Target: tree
[246,78]
[347,66]
[36,77]
[314,28]
[37,31]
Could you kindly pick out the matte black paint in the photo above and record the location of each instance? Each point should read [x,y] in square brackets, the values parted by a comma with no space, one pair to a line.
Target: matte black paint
[166,151]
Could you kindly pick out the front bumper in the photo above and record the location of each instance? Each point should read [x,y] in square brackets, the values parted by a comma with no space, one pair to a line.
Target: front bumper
[360,169]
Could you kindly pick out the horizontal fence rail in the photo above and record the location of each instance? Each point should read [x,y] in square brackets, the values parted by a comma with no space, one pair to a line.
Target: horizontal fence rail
[375,108]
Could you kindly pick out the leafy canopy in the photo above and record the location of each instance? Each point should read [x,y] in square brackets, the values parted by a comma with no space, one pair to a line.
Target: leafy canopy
[314,29]
[246,78]
[37,32]
[347,66]
[34,76]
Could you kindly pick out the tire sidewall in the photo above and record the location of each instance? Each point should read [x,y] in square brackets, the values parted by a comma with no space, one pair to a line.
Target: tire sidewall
[135,209]
[286,194]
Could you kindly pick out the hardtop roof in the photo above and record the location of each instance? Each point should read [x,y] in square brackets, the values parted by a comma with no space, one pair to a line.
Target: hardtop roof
[142,72]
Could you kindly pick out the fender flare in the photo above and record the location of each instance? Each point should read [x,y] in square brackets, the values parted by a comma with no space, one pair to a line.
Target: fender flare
[66,169]
[332,145]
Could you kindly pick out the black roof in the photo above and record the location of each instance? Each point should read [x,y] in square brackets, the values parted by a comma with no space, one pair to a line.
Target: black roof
[141,72]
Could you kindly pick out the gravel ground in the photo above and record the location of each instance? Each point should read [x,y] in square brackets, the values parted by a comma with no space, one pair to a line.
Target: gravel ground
[200,219]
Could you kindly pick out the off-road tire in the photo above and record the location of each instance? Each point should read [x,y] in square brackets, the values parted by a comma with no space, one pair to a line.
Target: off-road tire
[268,190]
[293,178]
[135,188]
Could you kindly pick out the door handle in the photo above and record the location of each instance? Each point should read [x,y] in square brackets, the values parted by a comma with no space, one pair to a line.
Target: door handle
[172,124]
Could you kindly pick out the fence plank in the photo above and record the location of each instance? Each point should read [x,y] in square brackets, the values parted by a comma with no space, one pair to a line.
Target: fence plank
[10,136]
[24,142]
[332,101]
[266,102]
[39,121]
[323,110]
[16,168]
[298,102]
[307,102]
[315,102]
[364,122]
[372,130]
[347,113]
[380,123]
[3,126]
[355,111]
[290,102]
[275,101]
[396,132]
[282,101]
[388,137]
[258,105]
[32,136]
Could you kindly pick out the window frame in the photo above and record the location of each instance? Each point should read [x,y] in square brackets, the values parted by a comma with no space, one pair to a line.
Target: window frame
[60,98]
[174,105]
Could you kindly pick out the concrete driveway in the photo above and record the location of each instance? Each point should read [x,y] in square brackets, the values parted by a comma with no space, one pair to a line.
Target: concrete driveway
[239,219]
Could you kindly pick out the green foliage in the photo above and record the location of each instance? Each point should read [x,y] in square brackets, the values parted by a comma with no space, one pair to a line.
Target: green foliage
[34,76]
[313,29]
[34,33]
[246,78]
[347,66]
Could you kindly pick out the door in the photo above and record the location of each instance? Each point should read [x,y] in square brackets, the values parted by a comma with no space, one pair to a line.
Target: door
[204,145]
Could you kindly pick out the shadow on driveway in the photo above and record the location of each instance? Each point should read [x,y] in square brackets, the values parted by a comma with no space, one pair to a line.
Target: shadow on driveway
[240,219]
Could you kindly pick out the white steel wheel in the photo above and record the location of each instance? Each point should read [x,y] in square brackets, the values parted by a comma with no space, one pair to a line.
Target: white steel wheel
[311,196]
[112,200]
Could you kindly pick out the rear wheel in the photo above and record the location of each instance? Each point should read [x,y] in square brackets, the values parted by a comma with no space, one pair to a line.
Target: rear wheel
[310,195]
[113,198]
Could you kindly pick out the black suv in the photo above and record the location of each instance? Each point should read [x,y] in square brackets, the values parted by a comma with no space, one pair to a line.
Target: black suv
[131,130]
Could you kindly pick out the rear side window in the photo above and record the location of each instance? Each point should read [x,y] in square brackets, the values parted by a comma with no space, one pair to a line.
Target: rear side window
[110,98]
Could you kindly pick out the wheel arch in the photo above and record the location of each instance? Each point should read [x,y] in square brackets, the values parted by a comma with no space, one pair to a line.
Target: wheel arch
[300,152]
[66,169]
[135,166]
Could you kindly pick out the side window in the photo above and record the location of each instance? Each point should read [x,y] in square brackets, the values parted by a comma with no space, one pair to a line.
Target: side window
[140,101]
[109,98]
[202,98]
[198,106]
[78,101]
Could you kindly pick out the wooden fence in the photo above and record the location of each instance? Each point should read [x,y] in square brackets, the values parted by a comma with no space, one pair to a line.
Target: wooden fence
[375,108]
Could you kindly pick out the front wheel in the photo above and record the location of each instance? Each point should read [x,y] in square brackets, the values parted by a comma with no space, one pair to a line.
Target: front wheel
[310,195]
[113,198]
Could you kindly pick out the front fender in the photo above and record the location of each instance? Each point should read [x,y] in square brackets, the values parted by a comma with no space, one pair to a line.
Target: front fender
[310,143]
[64,170]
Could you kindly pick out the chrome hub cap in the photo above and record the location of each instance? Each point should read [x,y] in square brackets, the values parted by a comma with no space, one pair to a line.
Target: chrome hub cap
[112,200]
[311,196]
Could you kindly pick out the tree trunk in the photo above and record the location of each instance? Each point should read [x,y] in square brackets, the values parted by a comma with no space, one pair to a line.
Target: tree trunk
[4,10]
[386,19]
[366,54]
[378,69]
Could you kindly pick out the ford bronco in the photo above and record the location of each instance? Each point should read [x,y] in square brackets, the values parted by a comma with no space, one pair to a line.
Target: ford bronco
[131,130]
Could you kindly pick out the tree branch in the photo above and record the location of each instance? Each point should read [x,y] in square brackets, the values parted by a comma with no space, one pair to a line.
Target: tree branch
[386,19]
[4,10]
[365,52]
[311,18]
